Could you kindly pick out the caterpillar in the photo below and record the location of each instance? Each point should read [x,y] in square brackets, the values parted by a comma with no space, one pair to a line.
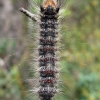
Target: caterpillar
[47,50]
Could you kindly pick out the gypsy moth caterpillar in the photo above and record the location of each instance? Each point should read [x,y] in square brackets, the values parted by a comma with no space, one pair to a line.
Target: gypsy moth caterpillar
[46,46]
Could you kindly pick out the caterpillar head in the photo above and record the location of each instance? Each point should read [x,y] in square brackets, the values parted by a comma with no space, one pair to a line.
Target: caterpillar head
[50,6]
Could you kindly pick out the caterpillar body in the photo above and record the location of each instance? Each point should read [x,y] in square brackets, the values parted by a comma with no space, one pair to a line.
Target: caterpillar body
[49,13]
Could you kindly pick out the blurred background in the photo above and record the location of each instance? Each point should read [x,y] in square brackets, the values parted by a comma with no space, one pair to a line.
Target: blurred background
[80,54]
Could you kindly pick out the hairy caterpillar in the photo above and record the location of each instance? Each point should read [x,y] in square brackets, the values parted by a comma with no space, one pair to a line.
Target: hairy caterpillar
[47,50]
[44,50]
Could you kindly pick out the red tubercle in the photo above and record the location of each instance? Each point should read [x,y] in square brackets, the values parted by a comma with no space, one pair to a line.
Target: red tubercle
[53,59]
[48,40]
[49,72]
[45,49]
[45,59]
[48,81]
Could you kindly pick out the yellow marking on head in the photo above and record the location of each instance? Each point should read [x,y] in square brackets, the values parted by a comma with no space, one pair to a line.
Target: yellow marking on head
[52,3]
